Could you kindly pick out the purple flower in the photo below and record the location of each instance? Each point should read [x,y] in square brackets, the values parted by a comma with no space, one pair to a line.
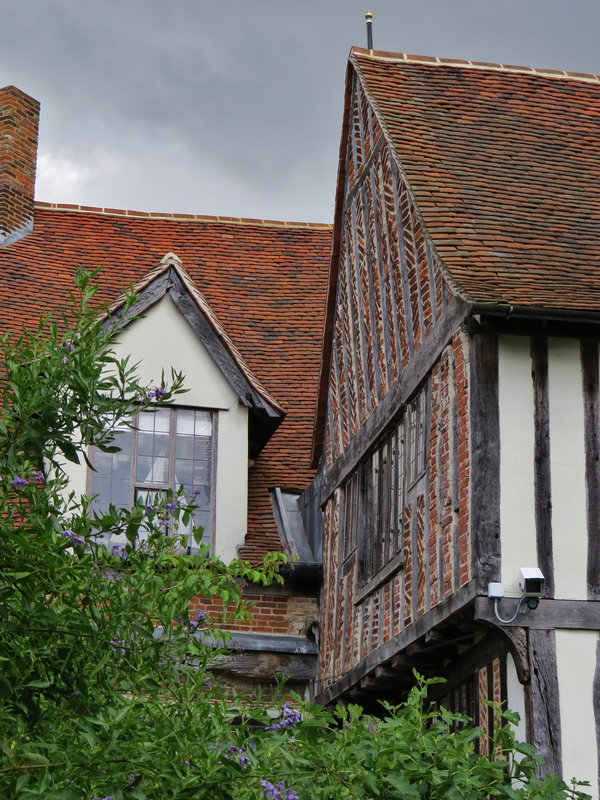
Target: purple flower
[171,507]
[67,534]
[19,483]
[279,792]
[117,550]
[199,620]
[68,346]
[238,754]
[269,791]
[290,717]
[157,393]
[38,476]
[76,694]
[118,645]
[64,360]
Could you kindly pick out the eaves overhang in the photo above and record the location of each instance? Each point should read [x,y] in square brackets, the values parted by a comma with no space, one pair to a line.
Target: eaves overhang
[505,311]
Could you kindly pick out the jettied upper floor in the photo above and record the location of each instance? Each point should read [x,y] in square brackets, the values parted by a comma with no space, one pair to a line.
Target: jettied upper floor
[458,421]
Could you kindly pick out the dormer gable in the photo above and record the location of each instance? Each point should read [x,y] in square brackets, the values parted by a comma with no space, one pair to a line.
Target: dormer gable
[170,279]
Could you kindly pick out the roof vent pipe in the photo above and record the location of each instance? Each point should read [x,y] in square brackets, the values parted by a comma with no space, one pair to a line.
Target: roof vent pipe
[369,18]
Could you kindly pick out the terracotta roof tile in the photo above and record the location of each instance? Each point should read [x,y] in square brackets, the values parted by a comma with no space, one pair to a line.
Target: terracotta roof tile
[504,164]
[264,281]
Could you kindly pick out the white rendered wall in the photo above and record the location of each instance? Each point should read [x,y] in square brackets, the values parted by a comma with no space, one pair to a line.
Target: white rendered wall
[161,340]
[567,464]
[517,497]
[516,698]
[576,664]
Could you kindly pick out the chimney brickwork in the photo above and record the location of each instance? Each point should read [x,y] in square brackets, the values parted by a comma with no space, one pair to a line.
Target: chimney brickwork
[19,117]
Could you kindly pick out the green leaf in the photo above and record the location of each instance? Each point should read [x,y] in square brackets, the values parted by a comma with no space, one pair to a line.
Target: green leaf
[35,758]
[69,451]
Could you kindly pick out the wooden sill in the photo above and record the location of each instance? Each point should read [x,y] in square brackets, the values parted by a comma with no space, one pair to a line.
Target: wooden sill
[384,574]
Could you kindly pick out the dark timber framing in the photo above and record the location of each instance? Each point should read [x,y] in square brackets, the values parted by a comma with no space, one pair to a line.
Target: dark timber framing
[542,478]
[589,367]
[583,615]
[542,700]
[456,602]
[400,393]
[596,701]
[485,433]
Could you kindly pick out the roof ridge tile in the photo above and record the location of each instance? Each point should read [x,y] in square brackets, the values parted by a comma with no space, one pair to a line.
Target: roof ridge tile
[122,212]
[410,58]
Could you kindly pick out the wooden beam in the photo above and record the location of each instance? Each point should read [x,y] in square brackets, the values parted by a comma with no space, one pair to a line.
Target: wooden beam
[596,701]
[399,394]
[364,172]
[485,468]
[542,482]
[481,653]
[517,642]
[583,615]
[457,602]
[542,701]
[268,666]
[591,418]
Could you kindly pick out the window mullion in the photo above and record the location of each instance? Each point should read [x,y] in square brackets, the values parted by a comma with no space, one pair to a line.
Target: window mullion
[172,445]
[133,460]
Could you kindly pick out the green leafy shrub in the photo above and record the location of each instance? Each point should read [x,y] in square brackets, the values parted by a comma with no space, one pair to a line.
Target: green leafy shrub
[105,682]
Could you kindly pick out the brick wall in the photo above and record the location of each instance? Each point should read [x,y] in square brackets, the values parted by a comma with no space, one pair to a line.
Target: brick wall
[391,295]
[19,116]
[391,290]
[287,615]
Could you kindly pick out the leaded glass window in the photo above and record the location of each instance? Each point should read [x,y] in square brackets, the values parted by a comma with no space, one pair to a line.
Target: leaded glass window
[163,450]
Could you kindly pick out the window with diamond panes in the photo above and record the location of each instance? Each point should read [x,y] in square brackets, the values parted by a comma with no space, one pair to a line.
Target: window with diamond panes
[163,450]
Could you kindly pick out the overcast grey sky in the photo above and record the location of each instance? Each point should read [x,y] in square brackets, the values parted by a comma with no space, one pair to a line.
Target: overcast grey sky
[233,107]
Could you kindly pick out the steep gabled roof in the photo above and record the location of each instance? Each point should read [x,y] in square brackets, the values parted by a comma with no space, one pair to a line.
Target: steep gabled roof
[504,165]
[170,278]
[263,282]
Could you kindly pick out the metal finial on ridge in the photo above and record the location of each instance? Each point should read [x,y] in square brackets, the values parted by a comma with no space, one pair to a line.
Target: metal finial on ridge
[369,18]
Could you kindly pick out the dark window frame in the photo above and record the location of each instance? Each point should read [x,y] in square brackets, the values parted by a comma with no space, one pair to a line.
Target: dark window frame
[156,486]
[375,494]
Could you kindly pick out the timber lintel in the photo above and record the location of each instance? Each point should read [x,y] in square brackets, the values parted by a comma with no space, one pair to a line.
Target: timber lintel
[583,615]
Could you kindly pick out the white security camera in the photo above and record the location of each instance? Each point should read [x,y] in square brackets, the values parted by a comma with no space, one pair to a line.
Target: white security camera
[532,582]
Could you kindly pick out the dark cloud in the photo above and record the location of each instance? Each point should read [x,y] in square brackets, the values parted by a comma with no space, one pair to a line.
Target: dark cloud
[234,107]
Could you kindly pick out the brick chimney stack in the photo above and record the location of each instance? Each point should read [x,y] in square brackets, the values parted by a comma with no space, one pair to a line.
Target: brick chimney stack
[19,116]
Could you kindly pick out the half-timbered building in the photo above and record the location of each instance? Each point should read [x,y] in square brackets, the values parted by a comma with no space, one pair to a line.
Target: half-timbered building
[458,418]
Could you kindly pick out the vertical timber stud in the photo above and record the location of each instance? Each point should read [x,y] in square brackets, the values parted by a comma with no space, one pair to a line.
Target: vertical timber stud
[542,700]
[542,483]
[485,474]
[589,366]
[596,701]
